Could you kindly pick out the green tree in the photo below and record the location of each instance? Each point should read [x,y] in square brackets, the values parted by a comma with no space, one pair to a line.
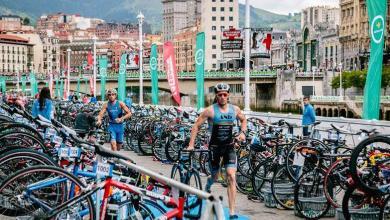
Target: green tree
[26,21]
[346,82]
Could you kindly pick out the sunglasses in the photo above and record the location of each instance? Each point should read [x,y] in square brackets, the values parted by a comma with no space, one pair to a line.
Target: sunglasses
[223,95]
[110,94]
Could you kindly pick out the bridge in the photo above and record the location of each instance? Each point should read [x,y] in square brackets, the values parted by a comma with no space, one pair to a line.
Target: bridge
[267,88]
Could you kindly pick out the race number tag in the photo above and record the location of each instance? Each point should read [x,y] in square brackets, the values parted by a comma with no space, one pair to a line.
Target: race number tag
[56,140]
[50,132]
[74,152]
[63,152]
[103,169]
[299,159]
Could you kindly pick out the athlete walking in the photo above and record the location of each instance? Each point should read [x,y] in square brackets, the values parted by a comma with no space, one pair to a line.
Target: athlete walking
[117,112]
[221,117]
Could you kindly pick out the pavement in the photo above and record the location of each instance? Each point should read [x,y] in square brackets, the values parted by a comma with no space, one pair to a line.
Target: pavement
[247,209]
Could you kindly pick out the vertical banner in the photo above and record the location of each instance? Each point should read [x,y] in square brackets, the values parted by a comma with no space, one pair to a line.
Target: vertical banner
[91,85]
[199,67]
[61,95]
[51,84]
[170,68]
[103,76]
[78,87]
[154,75]
[57,93]
[33,84]
[122,78]
[2,84]
[24,84]
[372,90]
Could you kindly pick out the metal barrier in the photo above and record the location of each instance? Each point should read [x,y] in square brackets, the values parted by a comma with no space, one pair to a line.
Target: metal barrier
[353,125]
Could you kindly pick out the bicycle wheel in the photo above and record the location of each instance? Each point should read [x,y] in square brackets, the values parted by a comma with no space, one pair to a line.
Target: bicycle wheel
[193,201]
[309,198]
[309,163]
[282,188]
[336,182]
[356,200]
[385,209]
[258,177]
[52,187]
[370,164]
[18,159]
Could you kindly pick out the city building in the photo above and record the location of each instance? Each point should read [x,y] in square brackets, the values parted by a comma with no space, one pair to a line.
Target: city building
[116,31]
[330,50]
[217,16]
[13,23]
[354,34]
[320,14]
[179,14]
[78,55]
[15,54]
[318,24]
[185,46]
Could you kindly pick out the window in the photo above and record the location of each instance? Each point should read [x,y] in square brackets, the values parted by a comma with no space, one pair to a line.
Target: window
[222,18]
[236,88]
[230,18]
[214,9]
[214,37]
[230,9]
[213,28]
[214,65]
[222,28]
[214,56]
[213,18]
[214,46]
[213,0]
[222,8]
[222,0]
[230,0]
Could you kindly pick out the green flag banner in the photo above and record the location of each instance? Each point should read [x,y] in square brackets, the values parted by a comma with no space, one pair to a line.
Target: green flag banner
[3,85]
[33,84]
[24,84]
[103,76]
[154,73]
[199,67]
[122,78]
[61,89]
[57,89]
[78,87]
[372,90]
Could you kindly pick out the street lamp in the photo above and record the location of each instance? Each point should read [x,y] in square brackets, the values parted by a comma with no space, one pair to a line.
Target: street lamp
[313,71]
[68,74]
[341,81]
[140,18]
[247,55]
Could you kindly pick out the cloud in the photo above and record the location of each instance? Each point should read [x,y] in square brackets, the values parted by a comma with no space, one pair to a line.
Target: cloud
[287,6]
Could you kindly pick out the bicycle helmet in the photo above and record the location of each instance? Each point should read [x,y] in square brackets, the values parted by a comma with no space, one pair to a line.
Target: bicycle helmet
[221,87]
[113,91]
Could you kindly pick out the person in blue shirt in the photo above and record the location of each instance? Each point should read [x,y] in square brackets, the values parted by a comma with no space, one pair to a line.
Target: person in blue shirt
[117,113]
[93,99]
[309,116]
[43,105]
[128,101]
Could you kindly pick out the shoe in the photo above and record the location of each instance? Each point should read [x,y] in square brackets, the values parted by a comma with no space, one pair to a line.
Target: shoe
[233,217]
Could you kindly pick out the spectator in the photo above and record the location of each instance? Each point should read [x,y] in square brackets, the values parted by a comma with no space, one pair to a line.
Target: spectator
[85,121]
[308,116]
[93,99]
[85,99]
[128,101]
[43,105]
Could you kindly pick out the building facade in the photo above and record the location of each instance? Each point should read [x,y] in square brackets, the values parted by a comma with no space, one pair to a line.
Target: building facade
[354,34]
[179,14]
[185,46]
[15,54]
[217,15]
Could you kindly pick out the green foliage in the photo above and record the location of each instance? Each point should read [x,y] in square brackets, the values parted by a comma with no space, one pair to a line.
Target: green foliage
[357,79]
[26,21]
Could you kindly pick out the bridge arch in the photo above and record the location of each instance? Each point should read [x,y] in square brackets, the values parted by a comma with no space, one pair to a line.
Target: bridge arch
[330,112]
[324,112]
[336,113]
[343,113]
[350,114]
[318,111]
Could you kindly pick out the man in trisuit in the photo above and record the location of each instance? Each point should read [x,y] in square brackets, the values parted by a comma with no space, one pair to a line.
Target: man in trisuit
[118,113]
[221,117]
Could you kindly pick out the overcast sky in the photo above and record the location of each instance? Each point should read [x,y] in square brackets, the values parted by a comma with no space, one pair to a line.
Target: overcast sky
[286,6]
